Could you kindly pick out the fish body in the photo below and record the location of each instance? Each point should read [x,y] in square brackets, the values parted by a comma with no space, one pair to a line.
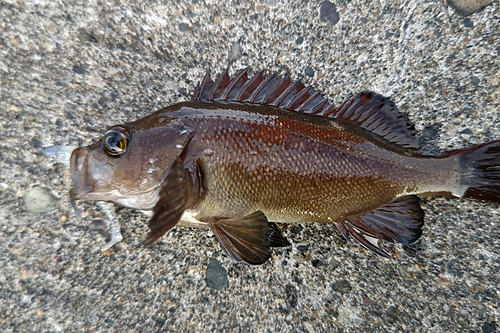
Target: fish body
[247,151]
[295,167]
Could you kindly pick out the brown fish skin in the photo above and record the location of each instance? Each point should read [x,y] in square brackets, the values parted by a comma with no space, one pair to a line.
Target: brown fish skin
[298,168]
[222,159]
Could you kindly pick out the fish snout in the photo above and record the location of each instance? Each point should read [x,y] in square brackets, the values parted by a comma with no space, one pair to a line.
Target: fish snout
[79,173]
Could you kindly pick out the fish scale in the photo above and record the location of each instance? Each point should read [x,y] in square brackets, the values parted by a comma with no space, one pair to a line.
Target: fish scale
[315,170]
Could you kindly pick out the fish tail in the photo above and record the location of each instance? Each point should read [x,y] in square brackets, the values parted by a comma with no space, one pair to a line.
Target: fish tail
[480,171]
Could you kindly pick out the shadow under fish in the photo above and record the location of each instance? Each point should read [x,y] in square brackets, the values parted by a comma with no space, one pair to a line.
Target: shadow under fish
[249,151]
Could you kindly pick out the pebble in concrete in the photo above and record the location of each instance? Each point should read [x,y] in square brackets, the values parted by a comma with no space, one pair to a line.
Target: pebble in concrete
[468,7]
[328,13]
[39,200]
[216,277]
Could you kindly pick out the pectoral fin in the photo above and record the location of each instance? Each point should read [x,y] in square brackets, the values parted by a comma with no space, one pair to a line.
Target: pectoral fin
[172,203]
[246,238]
[399,221]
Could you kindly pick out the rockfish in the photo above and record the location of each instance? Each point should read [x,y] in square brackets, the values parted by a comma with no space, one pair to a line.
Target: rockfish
[246,152]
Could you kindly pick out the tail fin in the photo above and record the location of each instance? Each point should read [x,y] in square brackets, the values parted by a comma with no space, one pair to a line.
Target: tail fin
[480,171]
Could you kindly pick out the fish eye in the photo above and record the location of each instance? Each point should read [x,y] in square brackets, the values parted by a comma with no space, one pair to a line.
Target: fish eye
[116,141]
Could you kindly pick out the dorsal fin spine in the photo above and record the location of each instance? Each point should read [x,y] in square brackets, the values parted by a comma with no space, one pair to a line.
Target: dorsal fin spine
[319,106]
[276,90]
[290,91]
[266,85]
[198,91]
[222,80]
[253,96]
[311,98]
[328,110]
[230,87]
[314,104]
[277,100]
[249,87]
[239,81]
[299,99]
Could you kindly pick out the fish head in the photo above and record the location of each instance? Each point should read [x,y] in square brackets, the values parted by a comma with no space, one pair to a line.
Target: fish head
[129,163]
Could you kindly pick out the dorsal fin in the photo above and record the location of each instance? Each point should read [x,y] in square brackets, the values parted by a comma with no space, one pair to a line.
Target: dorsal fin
[368,110]
[378,115]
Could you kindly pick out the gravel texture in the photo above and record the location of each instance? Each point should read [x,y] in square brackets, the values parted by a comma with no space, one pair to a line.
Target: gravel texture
[70,69]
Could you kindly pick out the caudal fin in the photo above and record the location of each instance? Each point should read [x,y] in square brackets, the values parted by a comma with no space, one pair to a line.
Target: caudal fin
[480,171]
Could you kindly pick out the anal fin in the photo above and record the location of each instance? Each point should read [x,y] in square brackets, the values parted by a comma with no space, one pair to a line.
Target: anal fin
[399,221]
[245,238]
[276,238]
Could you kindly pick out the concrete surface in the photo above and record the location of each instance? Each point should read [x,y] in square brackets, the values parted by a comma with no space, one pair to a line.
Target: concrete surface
[69,70]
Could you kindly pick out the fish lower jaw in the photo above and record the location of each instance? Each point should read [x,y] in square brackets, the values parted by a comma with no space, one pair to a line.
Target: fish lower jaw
[136,202]
[94,196]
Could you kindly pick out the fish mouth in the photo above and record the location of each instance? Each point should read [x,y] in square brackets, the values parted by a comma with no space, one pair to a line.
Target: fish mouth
[91,178]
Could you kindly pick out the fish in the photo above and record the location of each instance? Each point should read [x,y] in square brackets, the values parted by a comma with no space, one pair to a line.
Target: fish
[247,152]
